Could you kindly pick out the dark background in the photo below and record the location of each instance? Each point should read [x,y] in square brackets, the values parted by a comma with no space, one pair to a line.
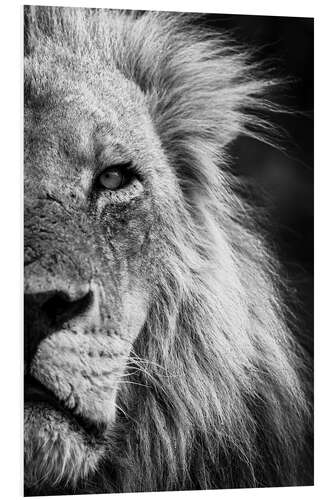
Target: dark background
[283,182]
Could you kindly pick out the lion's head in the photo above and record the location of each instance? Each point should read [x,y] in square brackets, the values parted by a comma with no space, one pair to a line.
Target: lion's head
[157,354]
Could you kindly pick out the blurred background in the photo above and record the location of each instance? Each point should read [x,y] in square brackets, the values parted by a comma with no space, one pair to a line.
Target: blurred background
[282,183]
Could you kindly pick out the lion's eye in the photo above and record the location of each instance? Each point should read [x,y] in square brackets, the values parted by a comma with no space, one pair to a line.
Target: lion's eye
[118,183]
[112,178]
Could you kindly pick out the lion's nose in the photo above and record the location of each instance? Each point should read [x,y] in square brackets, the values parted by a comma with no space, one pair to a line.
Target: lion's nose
[59,303]
[49,306]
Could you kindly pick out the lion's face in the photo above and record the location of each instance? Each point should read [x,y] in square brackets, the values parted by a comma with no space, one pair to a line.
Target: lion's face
[97,187]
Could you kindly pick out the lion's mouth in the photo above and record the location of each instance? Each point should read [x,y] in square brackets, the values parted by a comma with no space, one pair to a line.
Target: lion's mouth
[35,391]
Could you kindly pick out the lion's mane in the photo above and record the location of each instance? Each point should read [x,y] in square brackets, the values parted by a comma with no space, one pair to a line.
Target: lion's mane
[216,397]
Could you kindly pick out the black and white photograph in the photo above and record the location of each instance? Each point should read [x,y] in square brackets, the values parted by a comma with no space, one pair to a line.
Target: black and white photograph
[168,250]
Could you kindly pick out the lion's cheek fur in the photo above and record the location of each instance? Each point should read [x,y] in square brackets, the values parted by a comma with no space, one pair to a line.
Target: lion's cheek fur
[54,452]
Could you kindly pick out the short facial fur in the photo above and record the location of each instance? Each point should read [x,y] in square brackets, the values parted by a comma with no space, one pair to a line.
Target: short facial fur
[152,313]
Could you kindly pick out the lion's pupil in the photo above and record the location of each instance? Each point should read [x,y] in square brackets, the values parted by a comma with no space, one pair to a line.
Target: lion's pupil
[112,178]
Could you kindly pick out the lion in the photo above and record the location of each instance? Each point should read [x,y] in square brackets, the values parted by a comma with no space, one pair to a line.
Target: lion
[158,348]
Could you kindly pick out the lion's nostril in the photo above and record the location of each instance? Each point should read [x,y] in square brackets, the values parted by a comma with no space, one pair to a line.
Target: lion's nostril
[61,307]
[48,308]
[56,306]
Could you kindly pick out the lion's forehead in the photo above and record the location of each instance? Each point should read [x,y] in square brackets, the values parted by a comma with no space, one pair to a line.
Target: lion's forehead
[73,120]
[74,97]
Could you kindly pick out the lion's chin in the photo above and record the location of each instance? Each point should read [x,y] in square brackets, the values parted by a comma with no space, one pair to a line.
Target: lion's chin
[56,451]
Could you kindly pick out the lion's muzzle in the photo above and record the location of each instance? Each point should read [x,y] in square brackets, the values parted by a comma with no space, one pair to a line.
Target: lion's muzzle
[69,348]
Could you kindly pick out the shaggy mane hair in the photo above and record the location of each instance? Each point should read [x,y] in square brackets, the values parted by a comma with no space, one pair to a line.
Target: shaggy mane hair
[218,398]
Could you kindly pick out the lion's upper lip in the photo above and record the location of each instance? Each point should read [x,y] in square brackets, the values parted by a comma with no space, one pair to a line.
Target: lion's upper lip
[35,391]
